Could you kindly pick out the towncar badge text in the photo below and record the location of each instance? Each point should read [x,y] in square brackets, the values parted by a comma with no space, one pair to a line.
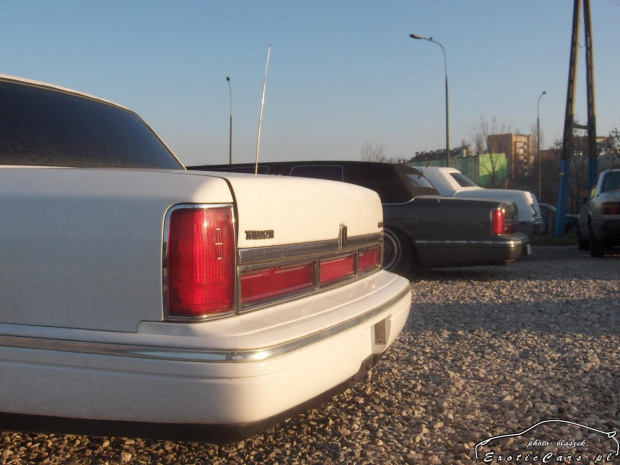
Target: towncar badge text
[257,235]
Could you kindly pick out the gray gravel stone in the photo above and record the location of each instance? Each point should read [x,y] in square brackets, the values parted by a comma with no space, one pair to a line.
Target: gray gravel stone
[486,351]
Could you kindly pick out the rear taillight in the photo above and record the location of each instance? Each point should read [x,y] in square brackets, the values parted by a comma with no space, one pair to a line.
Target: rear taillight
[200,262]
[369,260]
[510,228]
[610,208]
[497,221]
[337,269]
[276,282]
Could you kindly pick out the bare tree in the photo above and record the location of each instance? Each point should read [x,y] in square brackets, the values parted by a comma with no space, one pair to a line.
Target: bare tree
[611,157]
[549,172]
[492,168]
[482,129]
[479,134]
[614,135]
[495,160]
[578,185]
[373,152]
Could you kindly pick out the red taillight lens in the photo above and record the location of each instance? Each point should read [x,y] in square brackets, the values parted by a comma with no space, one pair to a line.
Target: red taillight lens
[611,208]
[369,259]
[337,269]
[497,221]
[510,228]
[200,262]
[277,281]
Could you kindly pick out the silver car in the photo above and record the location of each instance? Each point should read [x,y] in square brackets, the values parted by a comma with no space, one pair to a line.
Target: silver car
[599,220]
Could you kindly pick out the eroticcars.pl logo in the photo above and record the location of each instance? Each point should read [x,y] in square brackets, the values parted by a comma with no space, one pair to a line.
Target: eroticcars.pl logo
[551,441]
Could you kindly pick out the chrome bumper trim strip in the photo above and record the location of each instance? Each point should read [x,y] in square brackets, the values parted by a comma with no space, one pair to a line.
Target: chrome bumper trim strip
[193,355]
[512,242]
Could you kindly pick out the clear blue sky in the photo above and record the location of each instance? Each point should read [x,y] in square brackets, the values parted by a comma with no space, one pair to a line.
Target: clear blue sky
[342,73]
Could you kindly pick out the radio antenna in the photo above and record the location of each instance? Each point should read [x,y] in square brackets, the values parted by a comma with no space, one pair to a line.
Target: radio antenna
[262,104]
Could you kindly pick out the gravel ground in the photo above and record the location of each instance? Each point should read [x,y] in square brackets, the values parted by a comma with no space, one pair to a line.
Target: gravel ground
[487,352]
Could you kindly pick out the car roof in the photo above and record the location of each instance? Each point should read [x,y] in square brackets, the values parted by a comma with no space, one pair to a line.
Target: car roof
[32,82]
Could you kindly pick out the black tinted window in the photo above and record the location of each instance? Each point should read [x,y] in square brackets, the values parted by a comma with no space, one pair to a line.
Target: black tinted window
[51,128]
[381,178]
[330,172]
[419,181]
[611,181]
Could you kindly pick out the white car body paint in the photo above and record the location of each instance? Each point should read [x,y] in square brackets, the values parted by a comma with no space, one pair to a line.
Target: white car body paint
[83,330]
[81,324]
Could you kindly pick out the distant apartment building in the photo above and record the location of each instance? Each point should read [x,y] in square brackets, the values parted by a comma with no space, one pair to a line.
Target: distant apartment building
[509,156]
[519,149]
[487,170]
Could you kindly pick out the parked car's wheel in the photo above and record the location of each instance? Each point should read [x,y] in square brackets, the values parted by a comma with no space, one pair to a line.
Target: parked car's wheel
[396,252]
[597,247]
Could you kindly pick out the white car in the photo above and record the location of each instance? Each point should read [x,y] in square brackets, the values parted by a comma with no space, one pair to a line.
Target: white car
[452,183]
[138,296]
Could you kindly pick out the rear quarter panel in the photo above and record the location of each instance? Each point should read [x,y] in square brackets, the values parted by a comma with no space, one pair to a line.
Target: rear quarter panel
[82,248]
[444,218]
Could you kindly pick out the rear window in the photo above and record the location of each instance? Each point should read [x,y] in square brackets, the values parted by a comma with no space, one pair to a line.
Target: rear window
[47,127]
[419,181]
[463,180]
[611,181]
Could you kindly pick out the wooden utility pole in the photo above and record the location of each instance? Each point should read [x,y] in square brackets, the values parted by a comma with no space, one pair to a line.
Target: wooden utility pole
[569,116]
[592,148]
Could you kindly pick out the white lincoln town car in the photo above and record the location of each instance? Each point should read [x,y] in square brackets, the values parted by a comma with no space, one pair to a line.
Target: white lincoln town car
[140,297]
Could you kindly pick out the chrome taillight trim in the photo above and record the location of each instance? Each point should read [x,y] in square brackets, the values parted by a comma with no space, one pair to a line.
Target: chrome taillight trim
[310,249]
[166,230]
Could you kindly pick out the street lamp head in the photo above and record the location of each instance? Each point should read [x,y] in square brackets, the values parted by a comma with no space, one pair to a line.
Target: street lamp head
[544,92]
[228,78]
[415,36]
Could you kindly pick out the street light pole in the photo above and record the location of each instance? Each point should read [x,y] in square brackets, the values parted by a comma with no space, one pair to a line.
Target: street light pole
[231,119]
[538,144]
[445,63]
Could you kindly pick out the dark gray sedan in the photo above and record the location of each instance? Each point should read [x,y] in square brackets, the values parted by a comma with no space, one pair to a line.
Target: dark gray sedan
[421,228]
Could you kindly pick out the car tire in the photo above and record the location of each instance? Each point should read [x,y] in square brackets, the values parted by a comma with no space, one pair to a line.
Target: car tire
[397,256]
[597,247]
